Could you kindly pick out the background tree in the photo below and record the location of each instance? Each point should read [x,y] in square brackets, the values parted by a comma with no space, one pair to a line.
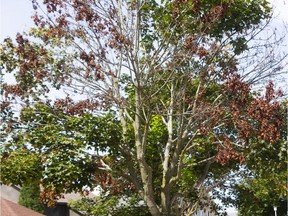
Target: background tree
[165,104]
[265,181]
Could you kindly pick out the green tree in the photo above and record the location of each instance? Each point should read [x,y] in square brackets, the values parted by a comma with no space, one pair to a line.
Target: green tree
[153,89]
[264,183]
[29,197]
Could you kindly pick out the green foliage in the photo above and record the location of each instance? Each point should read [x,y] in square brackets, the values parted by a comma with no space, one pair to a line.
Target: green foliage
[30,198]
[216,18]
[265,182]
[19,165]
[52,148]
[258,196]
[110,205]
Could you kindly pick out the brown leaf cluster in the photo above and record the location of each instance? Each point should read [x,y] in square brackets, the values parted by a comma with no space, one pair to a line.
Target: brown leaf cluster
[237,88]
[52,5]
[251,115]
[178,3]
[84,12]
[31,60]
[191,44]
[207,116]
[228,69]
[4,105]
[110,183]
[192,7]
[12,90]
[100,25]
[266,111]
[214,15]
[254,116]
[226,153]
[69,107]
[49,196]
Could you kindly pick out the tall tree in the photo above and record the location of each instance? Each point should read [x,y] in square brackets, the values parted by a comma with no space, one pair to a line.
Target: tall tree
[168,76]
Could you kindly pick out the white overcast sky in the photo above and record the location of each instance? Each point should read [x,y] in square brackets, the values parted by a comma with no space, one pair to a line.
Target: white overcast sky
[15,15]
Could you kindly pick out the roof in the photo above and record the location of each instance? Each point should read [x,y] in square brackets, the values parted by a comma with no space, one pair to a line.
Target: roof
[8,208]
[74,196]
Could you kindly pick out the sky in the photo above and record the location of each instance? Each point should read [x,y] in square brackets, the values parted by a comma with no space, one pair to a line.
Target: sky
[15,16]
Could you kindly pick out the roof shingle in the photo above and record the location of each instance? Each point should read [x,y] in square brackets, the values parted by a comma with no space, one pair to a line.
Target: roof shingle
[8,208]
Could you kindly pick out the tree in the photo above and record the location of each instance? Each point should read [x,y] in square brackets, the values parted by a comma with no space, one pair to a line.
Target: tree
[265,181]
[164,103]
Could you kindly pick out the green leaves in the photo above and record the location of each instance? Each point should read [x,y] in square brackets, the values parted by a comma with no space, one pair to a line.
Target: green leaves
[110,205]
[266,184]
[51,148]
[19,166]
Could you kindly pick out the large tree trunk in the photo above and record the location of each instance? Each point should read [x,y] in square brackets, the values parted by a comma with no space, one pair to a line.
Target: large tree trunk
[145,169]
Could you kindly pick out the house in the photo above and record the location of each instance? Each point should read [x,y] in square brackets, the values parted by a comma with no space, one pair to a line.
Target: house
[9,208]
[9,204]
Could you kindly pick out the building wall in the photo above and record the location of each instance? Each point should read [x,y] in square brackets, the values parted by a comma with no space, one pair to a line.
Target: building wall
[10,193]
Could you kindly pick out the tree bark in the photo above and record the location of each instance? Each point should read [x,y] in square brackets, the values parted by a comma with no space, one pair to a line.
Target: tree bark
[145,170]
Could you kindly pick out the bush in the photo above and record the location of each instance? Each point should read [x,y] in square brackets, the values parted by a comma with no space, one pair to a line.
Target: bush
[29,197]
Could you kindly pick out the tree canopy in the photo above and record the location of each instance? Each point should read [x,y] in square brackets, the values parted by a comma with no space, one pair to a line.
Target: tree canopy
[152,98]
